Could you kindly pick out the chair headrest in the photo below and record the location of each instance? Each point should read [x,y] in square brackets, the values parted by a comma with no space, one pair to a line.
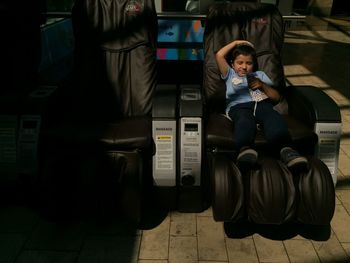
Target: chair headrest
[116,25]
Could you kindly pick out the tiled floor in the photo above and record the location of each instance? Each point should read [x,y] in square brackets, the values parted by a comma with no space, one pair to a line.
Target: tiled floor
[315,53]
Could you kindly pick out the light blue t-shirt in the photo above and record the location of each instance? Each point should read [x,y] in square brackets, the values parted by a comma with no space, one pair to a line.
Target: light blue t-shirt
[237,90]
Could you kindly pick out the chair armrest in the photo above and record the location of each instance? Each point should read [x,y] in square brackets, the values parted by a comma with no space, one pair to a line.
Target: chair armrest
[191,101]
[311,105]
[165,102]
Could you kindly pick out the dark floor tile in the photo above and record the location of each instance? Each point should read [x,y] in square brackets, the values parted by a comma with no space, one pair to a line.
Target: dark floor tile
[17,219]
[114,227]
[108,249]
[10,246]
[33,256]
[57,236]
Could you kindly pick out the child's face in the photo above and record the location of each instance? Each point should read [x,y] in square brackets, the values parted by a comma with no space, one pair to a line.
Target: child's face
[243,64]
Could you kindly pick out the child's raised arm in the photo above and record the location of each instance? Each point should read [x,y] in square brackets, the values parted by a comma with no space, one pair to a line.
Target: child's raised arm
[220,56]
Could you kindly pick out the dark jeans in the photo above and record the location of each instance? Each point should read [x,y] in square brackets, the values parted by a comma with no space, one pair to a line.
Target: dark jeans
[245,123]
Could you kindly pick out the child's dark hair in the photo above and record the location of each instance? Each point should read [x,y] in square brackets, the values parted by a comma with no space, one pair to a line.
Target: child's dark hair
[245,50]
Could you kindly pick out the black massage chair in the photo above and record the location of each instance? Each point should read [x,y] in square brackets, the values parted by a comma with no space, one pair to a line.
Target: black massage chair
[98,157]
[270,193]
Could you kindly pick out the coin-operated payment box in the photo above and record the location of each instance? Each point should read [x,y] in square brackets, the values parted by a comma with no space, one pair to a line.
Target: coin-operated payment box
[190,148]
[325,115]
[191,151]
[190,138]
[30,124]
[328,145]
[20,124]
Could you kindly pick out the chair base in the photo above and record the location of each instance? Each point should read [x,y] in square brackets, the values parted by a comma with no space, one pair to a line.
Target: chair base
[270,194]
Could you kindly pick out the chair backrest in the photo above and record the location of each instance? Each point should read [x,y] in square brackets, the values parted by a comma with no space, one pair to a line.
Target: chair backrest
[261,24]
[115,57]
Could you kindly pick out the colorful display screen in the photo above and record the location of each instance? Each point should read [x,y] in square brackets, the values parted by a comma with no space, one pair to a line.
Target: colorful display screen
[180,40]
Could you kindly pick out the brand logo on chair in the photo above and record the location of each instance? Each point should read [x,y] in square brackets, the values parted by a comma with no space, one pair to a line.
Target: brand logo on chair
[134,7]
[261,20]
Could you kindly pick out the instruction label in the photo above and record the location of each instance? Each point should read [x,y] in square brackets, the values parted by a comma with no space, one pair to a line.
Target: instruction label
[164,160]
[164,157]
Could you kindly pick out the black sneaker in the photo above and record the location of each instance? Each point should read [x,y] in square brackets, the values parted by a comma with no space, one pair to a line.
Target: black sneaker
[247,158]
[293,160]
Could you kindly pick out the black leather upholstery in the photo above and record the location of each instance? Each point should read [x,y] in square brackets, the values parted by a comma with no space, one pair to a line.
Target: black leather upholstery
[262,25]
[114,80]
[115,56]
[271,193]
[219,133]
[124,134]
[227,188]
[316,195]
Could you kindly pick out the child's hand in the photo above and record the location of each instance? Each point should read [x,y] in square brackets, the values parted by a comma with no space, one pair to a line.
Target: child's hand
[243,42]
[255,83]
